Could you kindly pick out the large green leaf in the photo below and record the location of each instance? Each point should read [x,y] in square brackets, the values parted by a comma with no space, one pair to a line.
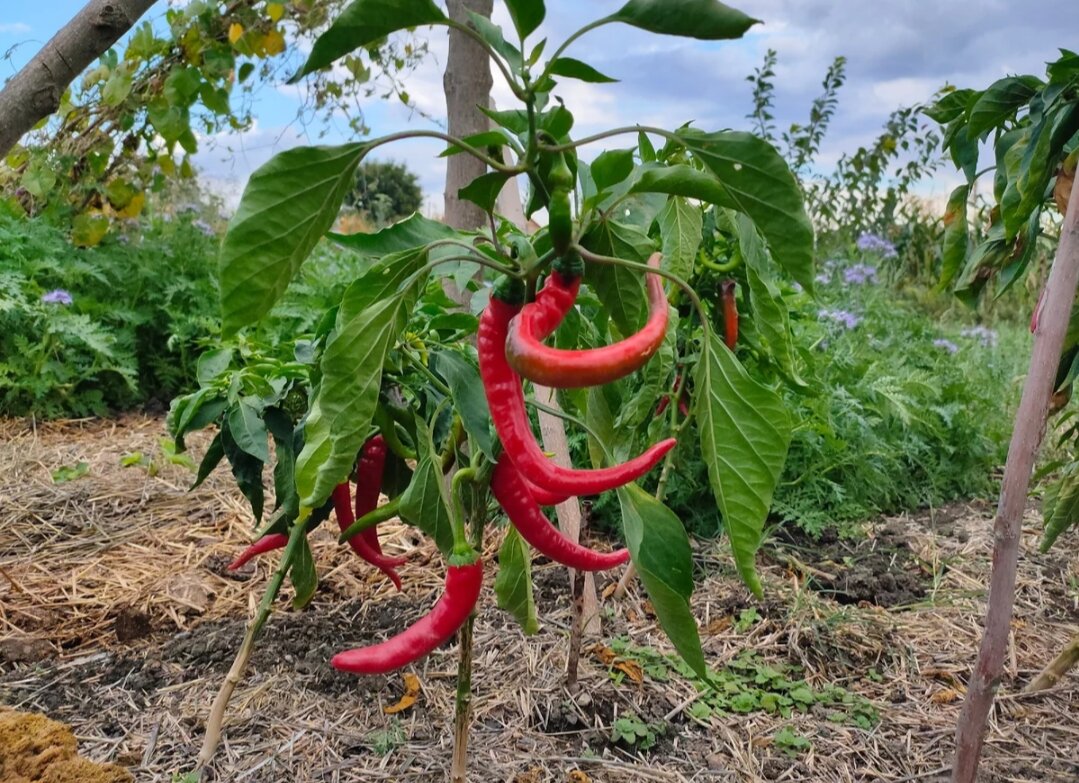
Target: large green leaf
[466,389]
[414,231]
[425,503]
[248,429]
[288,204]
[575,69]
[680,226]
[527,15]
[745,433]
[284,471]
[1000,102]
[363,23]
[758,183]
[954,252]
[705,19]
[372,314]
[247,471]
[620,290]
[513,585]
[303,574]
[660,549]
[1060,508]
[770,314]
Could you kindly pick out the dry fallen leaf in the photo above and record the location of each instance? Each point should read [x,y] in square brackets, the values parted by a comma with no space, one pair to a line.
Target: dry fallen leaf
[718,626]
[411,694]
[946,696]
[609,657]
[576,776]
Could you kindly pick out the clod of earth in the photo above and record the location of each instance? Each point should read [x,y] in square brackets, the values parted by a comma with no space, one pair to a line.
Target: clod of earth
[35,749]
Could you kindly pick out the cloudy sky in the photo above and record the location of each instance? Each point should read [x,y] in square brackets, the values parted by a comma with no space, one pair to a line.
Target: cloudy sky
[898,53]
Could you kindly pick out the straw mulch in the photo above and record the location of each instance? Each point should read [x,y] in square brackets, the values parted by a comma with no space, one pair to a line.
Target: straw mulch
[117,617]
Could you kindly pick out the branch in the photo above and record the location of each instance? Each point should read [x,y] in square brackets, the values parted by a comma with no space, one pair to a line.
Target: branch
[34,92]
[1026,439]
[1056,670]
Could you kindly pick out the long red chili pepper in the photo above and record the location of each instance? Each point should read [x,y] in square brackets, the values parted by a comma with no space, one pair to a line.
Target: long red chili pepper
[572,369]
[449,614]
[524,513]
[545,497]
[267,543]
[730,313]
[369,470]
[505,397]
[342,504]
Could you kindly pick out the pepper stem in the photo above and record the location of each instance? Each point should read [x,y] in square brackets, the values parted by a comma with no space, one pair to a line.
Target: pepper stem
[461,545]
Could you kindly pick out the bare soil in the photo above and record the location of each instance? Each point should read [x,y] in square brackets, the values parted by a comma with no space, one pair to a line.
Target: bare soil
[118,618]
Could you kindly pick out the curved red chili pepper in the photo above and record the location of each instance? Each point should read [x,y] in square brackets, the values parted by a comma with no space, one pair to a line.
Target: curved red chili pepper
[267,543]
[506,399]
[512,493]
[730,313]
[573,369]
[545,497]
[372,465]
[342,504]
[449,614]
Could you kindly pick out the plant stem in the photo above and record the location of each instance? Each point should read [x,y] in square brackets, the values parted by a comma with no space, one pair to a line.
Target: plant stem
[465,147]
[216,718]
[1060,666]
[370,519]
[1029,430]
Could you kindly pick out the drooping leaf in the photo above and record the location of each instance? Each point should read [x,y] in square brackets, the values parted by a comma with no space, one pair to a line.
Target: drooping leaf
[575,69]
[248,430]
[660,549]
[210,460]
[284,472]
[363,23]
[412,232]
[758,183]
[425,503]
[372,314]
[680,226]
[952,105]
[620,290]
[247,471]
[527,15]
[954,252]
[288,204]
[492,34]
[513,584]
[770,314]
[303,574]
[1060,508]
[466,389]
[745,433]
[483,190]
[703,19]
[999,102]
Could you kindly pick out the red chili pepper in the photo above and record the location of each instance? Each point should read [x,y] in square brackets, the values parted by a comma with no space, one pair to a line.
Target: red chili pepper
[573,369]
[372,465]
[512,493]
[506,399]
[342,504]
[545,497]
[449,614]
[267,543]
[730,313]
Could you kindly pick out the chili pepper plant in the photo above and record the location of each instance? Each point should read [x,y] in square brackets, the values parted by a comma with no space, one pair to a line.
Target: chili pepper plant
[410,394]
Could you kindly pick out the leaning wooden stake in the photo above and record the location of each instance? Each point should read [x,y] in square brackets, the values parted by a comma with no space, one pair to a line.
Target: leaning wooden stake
[1026,438]
[1055,671]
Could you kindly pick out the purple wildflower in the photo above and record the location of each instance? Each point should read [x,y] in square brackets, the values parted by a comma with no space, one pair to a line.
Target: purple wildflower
[797,287]
[204,227]
[57,296]
[872,243]
[860,274]
[844,318]
[823,278]
[987,337]
[946,345]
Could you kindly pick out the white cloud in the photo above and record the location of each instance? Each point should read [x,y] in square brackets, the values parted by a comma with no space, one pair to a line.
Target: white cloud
[17,28]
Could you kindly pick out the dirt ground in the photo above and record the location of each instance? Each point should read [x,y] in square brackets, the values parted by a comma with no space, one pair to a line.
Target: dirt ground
[118,618]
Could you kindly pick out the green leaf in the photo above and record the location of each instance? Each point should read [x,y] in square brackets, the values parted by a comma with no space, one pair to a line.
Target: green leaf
[660,550]
[575,69]
[414,231]
[513,584]
[479,141]
[363,23]
[303,575]
[210,460]
[611,167]
[758,183]
[284,471]
[492,34]
[952,105]
[248,430]
[745,433]
[288,204]
[425,503]
[466,389]
[483,190]
[372,314]
[247,471]
[704,19]
[527,15]
[211,364]
[620,290]
[66,473]
[680,226]
[954,252]
[1060,508]
[117,88]
[770,314]
[1000,102]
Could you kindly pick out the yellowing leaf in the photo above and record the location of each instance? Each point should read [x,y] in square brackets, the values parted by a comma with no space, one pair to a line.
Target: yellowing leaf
[609,657]
[274,42]
[89,229]
[411,694]
[235,31]
[134,207]
[275,11]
